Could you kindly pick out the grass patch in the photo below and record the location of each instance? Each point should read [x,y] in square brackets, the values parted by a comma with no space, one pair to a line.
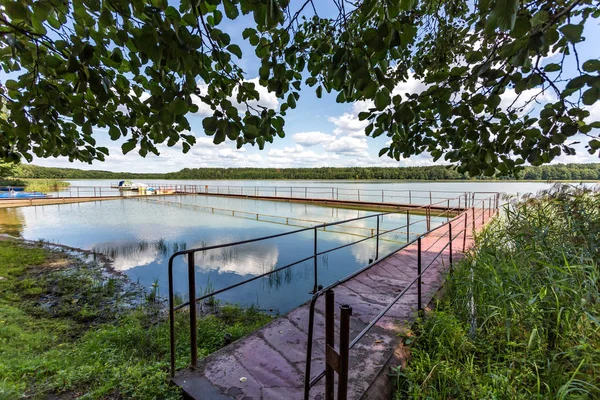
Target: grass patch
[67,329]
[37,185]
[520,317]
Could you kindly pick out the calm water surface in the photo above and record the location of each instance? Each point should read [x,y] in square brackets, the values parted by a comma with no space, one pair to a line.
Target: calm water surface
[139,236]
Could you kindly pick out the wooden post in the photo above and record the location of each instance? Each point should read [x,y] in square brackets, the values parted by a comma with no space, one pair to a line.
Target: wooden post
[346,312]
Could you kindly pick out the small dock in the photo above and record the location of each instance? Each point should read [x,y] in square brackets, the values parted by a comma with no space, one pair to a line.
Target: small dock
[439,207]
[271,363]
[46,201]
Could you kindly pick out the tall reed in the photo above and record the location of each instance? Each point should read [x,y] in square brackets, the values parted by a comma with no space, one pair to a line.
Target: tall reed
[521,315]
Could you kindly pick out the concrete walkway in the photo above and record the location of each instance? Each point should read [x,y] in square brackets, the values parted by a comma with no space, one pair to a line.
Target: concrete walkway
[270,363]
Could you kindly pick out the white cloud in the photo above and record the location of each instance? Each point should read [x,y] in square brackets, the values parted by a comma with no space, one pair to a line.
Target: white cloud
[312,138]
[511,99]
[297,156]
[267,99]
[594,110]
[411,86]
[348,145]
[348,123]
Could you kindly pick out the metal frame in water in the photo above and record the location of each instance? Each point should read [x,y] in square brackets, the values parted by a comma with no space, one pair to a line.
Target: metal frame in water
[190,253]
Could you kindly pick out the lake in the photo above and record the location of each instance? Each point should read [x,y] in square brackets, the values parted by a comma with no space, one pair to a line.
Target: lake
[140,235]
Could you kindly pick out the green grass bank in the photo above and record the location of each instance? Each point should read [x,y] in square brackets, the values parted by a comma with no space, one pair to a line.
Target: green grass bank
[520,317]
[69,329]
[36,185]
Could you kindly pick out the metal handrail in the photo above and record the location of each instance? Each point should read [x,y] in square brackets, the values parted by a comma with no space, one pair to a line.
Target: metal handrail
[308,382]
[191,265]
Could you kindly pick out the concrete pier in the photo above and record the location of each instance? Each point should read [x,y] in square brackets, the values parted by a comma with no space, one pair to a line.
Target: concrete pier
[270,363]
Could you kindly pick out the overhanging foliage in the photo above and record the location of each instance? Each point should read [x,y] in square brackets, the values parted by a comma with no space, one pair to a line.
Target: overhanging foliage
[134,68]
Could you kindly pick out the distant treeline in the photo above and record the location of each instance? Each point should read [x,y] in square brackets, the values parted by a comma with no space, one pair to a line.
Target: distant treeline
[546,172]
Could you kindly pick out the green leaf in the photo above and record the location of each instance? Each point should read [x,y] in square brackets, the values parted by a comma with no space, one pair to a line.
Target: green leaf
[178,106]
[114,132]
[291,100]
[235,49]
[553,67]
[248,32]
[231,9]
[319,91]
[383,151]
[539,18]
[503,15]
[12,84]
[572,32]
[263,72]
[219,137]
[53,61]
[590,96]
[577,83]
[592,65]
[16,10]
[363,115]
[382,100]
[493,101]
[128,145]
[209,124]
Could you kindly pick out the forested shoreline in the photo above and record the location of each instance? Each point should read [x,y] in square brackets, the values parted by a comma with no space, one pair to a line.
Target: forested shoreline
[546,172]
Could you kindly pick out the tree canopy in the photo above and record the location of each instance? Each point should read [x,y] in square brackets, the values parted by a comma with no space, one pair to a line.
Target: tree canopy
[139,68]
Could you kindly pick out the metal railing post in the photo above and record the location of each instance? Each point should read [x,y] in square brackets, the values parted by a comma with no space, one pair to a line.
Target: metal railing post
[329,343]
[316,286]
[377,241]
[430,199]
[473,208]
[332,194]
[192,299]
[407,226]
[275,191]
[382,196]
[171,318]
[305,193]
[358,190]
[346,312]
[419,306]
[482,211]
[448,211]
[409,197]
[466,214]
[450,244]
[428,217]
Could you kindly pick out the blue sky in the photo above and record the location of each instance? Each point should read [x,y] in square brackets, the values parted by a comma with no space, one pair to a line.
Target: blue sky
[319,132]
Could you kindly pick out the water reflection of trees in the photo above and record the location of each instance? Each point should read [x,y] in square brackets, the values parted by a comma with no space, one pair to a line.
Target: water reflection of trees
[12,221]
[133,254]
[302,271]
[131,249]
